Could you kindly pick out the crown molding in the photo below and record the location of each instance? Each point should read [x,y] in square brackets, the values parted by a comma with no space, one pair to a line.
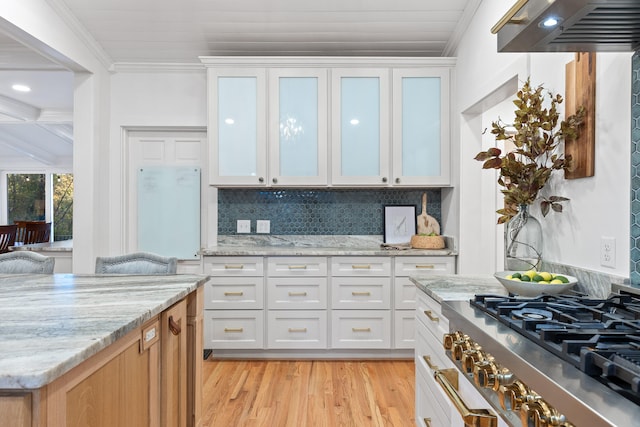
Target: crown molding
[463,23]
[67,16]
[166,67]
[327,61]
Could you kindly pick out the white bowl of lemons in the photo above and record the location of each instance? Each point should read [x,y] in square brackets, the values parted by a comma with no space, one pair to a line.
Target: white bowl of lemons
[532,283]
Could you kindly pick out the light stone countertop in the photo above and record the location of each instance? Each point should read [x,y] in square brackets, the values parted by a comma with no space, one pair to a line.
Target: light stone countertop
[458,287]
[61,246]
[52,323]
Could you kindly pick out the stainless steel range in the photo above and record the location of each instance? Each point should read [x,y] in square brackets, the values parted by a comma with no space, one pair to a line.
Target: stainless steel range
[551,360]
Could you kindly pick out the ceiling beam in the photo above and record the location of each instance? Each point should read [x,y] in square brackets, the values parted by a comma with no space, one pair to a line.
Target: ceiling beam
[18,110]
[23,147]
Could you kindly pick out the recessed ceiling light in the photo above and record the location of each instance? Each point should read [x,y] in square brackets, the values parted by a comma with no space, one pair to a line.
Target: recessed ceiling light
[550,22]
[21,88]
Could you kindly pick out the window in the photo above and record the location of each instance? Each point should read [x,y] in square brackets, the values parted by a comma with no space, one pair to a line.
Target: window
[33,197]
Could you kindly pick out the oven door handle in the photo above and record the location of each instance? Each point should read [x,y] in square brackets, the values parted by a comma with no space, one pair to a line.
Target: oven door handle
[448,379]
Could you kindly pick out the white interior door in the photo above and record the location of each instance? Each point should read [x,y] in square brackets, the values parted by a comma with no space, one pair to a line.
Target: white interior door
[162,148]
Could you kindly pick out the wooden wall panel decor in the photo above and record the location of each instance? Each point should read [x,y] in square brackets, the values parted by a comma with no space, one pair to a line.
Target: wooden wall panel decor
[581,91]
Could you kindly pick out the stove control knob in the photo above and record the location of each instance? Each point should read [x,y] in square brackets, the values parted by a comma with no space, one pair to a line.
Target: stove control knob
[539,414]
[487,374]
[513,395]
[449,339]
[461,346]
[473,356]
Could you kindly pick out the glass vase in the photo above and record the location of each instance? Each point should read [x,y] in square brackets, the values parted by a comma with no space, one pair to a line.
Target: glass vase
[523,242]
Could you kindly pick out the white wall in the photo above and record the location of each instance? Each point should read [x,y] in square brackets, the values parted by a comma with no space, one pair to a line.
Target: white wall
[599,205]
[151,98]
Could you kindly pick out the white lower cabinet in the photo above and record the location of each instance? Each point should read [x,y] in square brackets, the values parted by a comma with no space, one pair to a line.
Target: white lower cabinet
[320,303]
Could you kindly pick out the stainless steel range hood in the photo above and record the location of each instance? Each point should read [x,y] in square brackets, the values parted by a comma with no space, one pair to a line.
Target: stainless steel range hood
[585,26]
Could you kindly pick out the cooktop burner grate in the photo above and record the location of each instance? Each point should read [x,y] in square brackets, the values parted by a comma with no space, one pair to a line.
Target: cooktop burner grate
[599,337]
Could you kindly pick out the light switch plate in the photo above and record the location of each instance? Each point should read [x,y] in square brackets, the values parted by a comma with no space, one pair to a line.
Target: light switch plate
[263,226]
[244,226]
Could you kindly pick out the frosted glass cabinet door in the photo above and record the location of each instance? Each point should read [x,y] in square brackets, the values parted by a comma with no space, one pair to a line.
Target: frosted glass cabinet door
[237,126]
[421,126]
[360,139]
[298,127]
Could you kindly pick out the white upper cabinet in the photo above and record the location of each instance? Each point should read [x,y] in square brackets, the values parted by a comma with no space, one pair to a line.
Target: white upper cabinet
[237,126]
[421,127]
[360,126]
[298,127]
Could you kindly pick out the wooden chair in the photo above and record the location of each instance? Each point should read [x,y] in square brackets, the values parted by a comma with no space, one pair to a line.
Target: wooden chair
[136,263]
[21,262]
[37,232]
[7,237]
[22,227]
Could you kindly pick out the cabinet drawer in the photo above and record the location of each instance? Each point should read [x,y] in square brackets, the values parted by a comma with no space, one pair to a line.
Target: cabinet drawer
[233,266]
[229,293]
[360,293]
[404,292]
[426,405]
[297,329]
[429,312]
[299,293]
[361,266]
[361,329]
[404,328]
[296,266]
[412,266]
[232,329]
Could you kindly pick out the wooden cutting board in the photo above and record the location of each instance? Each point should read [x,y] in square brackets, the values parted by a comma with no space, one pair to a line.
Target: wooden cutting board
[426,223]
[580,90]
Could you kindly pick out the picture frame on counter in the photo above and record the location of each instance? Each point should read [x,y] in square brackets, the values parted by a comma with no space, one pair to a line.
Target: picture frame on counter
[399,223]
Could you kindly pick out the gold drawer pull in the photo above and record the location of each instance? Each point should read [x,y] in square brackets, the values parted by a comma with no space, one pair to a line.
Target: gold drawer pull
[430,364]
[448,379]
[360,294]
[297,329]
[297,267]
[427,422]
[431,317]
[233,266]
[233,294]
[425,266]
[229,330]
[297,294]
[361,329]
[361,267]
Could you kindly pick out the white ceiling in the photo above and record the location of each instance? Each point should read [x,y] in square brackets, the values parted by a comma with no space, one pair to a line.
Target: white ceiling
[179,31]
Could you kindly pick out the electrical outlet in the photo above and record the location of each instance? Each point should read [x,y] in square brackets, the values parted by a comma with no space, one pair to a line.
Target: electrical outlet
[263,226]
[244,226]
[608,252]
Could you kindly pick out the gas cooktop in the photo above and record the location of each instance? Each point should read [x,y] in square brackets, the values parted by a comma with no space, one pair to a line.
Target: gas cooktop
[601,337]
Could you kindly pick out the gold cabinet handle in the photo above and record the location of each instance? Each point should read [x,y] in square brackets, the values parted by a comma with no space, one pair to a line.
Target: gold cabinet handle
[427,422]
[233,294]
[360,294]
[431,317]
[361,329]
[233,266]
[297,294]
[430,364]
[297,329]
[431,266]
[448,379]
[361,267]
[231,330]
[297,267]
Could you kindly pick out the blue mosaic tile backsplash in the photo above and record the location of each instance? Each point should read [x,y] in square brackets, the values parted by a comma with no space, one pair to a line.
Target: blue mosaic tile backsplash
[318,211]
[635,171]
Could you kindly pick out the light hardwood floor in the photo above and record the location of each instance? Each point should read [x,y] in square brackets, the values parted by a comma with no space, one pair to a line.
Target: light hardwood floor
[308,393]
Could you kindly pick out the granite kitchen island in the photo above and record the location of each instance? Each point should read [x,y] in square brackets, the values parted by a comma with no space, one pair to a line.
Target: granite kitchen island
[100,350]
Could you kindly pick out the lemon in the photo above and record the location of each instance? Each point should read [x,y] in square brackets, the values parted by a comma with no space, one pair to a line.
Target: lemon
[546,276]
[556,282]
[509,277]
[531,273]
[525,278]
[543,282]
[516,279]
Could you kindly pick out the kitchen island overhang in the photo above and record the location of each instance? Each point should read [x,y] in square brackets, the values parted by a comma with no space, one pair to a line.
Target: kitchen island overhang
[55,325]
